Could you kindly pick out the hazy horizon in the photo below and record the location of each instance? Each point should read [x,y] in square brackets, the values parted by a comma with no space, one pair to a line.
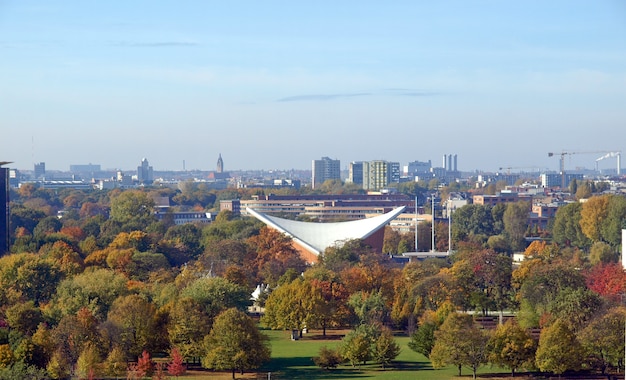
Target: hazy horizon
[275,85]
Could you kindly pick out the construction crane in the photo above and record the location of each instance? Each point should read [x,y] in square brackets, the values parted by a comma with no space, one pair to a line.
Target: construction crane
[609,155]
[562,162]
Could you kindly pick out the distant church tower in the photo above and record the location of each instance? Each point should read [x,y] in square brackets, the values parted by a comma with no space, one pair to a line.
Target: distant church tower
[220,164]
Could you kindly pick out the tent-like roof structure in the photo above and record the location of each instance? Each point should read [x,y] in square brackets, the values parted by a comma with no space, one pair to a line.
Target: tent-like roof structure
[316,237]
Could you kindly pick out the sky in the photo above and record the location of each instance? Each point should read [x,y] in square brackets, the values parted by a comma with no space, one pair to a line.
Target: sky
[276,84]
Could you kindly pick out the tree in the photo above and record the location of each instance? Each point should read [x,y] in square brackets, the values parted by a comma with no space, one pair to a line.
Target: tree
[516,222]
[115,363]
[593,212]
[327,358]
[188,325]
[603,339]
[235,343]
[385,348]
[292,306]
[136,320]
[176,366]
[607,280]
[145,365]
[567,229]
[88,362]
[558,350]
[356,347]
[460,342]
[511,346]
[423,339]
[274,255]
[133,209]
[216,294]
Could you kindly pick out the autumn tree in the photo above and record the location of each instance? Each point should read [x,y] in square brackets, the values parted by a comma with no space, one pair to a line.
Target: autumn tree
[274,254]
[292,306]
[607,280]
[235,343]
[511,346]
[558,349]
[603,339]
[176,366]
[592,214]
[187,326]
[135,319]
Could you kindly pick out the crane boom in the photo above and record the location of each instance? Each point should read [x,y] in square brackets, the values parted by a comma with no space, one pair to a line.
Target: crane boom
[566,153]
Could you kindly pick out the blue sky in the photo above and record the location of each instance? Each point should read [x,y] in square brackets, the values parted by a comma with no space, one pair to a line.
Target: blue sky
[276,84]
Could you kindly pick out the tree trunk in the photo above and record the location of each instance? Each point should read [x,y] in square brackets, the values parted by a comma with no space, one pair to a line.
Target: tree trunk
[459,370]
[233,373]
[324,328]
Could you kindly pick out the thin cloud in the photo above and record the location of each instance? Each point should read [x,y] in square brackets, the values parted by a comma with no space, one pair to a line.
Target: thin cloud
[411,92]
[304,98]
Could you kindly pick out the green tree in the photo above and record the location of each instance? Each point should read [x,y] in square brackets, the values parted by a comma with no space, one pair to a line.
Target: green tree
[356,347]
[558,350]
[385,348]
[95,289]
[216,294]
[459,341]
[470,220]
[235,343]
[511,346]
[115,363]
[133,210]
[423,339]
[566,229]
[516,223]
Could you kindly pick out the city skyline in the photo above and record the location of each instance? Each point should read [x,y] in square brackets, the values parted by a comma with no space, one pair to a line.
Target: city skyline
[275,85]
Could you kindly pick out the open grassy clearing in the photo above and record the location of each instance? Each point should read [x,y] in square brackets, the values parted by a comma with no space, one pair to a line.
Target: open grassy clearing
[292,360]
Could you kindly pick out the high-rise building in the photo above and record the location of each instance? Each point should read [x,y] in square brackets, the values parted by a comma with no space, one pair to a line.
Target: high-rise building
[144,172]
[379,174]
[4,209]
[418,168]
[355,172]
[40,170]
[220,164]
[324,170]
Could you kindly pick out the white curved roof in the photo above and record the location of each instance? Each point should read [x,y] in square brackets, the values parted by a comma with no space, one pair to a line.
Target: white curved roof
[316,237]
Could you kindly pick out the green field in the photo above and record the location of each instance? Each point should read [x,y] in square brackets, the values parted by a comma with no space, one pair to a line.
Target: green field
[292,360]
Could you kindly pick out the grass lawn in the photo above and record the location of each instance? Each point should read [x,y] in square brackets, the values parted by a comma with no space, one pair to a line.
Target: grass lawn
[292,360]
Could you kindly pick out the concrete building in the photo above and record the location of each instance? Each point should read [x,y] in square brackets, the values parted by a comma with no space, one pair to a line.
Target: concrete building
[554,179]
[40,170]
[311,239]
[355,172]
[418,169]
[377,175]
[324,170]
[220,164]
[145,172]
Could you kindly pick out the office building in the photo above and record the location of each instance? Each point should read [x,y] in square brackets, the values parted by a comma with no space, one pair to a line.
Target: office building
[40,170]
[324,170]
[145,172]
[355,172]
